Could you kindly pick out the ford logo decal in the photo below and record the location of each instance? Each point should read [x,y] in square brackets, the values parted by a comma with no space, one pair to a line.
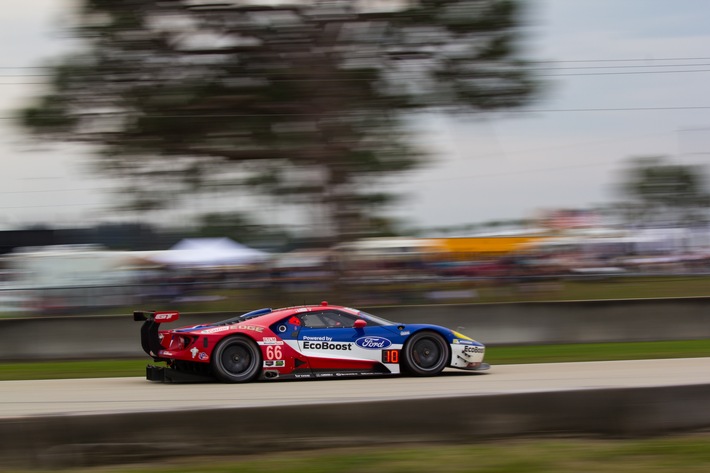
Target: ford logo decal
[373,343]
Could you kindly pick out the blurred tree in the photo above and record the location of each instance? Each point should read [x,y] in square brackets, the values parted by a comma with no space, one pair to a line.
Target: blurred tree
[241,228]
[658,193]
[306,101]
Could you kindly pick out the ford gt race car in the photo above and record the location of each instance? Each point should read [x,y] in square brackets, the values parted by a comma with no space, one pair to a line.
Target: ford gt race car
[313,341]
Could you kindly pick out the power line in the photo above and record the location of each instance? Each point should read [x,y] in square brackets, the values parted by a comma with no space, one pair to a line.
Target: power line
[556,61]
[624,67]
[541,61]
[513,173]
[623,73]
[319,115]
[355,79]
[414,182]
[77,189]
[18,207]
[629,109]
[542,150]
[512,152]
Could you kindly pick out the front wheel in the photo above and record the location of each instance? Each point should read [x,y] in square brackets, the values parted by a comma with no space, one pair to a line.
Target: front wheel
[425,354]
[236,360]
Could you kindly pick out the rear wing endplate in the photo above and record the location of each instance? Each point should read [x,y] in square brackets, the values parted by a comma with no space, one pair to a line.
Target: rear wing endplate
[150,338]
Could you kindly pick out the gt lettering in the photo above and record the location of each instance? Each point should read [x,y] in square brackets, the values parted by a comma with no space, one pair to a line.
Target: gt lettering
[273,352]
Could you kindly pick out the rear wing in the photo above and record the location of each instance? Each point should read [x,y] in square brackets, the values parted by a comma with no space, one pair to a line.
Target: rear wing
[157,317]
[150,339]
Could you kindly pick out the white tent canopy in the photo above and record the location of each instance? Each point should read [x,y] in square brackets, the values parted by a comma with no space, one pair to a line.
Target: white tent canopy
[196,252]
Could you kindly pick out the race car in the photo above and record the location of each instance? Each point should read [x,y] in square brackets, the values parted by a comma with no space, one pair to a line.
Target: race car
[310,341]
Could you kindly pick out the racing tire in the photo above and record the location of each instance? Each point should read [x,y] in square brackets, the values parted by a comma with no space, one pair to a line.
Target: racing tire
[425,354]
[236,360]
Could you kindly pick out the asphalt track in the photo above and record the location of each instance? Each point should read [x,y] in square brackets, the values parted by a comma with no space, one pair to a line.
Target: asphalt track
[112,395]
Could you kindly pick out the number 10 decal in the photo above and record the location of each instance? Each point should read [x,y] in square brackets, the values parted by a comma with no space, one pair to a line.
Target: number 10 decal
[390,356]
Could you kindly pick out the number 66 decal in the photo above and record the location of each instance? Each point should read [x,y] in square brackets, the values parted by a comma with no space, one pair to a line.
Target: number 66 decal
[273,352]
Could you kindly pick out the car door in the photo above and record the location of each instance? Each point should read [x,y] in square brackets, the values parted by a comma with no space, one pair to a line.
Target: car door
[332,344]
[326,337]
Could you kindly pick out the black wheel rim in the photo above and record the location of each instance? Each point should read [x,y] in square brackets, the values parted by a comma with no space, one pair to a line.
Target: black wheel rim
[236,359]
[426,353]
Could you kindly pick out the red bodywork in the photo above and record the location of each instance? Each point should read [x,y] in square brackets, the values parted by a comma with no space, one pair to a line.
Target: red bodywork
[195,344]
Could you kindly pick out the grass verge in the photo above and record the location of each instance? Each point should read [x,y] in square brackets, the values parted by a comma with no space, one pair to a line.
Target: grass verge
[494,355]
[689,454]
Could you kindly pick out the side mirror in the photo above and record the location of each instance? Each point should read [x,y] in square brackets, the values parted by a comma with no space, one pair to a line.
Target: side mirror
[359,323]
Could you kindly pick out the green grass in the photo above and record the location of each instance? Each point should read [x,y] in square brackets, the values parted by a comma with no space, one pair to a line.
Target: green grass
[72,369]
[687,454]
[597,352]
[494,355]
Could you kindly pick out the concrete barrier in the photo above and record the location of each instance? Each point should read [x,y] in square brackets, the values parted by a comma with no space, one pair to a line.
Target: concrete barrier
[493,324]
[84,440]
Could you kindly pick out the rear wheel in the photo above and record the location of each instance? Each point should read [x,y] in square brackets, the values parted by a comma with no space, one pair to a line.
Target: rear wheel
[425,354]
[236,360]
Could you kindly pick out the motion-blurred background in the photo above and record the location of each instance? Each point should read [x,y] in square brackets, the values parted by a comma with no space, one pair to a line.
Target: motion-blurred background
[212,156]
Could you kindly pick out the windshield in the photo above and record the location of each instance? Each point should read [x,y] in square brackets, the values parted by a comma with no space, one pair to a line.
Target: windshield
[377,320]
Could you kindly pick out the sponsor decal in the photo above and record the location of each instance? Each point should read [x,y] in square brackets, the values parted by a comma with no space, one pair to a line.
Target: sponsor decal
[303,309]
[282,328]
[373,343]
[326,346]
[194,351]
[324,375]
[165,353]
[347,374]
[202,356]
[463,342]
[269,363]
[318,339]
[474,349]
[214,330]
[303,376]
[275,363]
[253,328]
[407,332]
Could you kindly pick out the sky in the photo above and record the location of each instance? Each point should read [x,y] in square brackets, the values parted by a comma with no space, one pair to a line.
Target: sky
[622,80]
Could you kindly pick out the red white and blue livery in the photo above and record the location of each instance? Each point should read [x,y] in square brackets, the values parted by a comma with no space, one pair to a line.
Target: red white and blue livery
[312,341]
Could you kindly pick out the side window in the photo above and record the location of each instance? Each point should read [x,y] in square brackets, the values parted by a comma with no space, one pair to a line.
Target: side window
[327,319]
[313,320]
[338,319]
